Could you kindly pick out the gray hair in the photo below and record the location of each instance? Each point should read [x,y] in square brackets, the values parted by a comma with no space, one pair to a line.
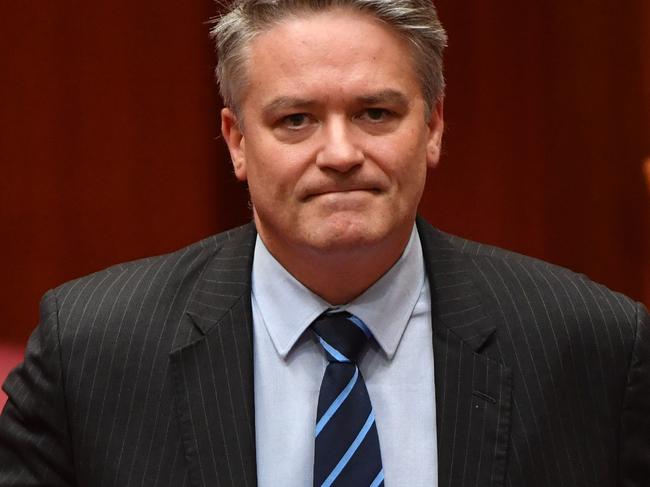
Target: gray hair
[416,20]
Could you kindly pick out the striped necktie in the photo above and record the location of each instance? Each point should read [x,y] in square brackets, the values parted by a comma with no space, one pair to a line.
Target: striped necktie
[347,446]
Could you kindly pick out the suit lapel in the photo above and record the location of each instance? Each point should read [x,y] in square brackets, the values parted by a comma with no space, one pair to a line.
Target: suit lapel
[473,391]
[213,375]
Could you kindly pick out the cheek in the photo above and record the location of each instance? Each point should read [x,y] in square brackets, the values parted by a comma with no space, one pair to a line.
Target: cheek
[270,178]
[282,162]
[403,160]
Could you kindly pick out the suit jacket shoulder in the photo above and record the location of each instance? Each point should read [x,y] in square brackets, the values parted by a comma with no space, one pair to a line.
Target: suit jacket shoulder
[141,294]
[513,283]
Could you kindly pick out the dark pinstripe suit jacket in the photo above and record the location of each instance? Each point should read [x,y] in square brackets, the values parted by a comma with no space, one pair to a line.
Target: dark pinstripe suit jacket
[141,375]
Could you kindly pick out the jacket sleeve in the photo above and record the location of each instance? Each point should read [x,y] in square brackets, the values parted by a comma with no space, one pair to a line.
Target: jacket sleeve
[635,420]
[34,432]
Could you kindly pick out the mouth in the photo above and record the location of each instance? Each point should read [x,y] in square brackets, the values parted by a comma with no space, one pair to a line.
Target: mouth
[341,192]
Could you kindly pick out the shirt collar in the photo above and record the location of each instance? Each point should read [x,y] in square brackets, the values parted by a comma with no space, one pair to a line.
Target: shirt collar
[288,308]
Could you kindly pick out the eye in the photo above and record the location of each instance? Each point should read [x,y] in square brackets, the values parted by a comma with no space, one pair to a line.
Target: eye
[376,114]
[295,121]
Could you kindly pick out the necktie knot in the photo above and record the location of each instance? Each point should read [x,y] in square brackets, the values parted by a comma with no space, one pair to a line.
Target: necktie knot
[342,335]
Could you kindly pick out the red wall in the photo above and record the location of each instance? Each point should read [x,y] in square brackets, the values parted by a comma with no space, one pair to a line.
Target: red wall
[110,146]
[548,128]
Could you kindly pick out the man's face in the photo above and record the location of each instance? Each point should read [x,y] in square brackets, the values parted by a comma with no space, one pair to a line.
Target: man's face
[335,141]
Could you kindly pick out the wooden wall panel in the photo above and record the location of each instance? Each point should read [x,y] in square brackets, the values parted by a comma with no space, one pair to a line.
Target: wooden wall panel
[109,141]
[643,25]
[546,134]
[110,149]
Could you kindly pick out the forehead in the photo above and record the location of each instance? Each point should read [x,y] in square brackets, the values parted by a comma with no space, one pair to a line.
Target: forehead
[336,50]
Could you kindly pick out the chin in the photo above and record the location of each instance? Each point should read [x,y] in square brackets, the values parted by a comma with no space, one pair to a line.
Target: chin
[349,237]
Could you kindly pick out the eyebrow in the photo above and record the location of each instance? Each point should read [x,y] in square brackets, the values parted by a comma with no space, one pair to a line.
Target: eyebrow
[285,103]
[389,96]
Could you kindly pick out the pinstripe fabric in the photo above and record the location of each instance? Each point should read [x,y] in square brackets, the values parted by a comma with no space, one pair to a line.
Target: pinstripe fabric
[141,375]
[128,382]
[543,377]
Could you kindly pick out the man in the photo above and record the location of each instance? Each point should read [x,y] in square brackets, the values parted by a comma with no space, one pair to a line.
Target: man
[218,364]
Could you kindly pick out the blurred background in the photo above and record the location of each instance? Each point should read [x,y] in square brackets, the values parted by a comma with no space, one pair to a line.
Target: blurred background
[110,146]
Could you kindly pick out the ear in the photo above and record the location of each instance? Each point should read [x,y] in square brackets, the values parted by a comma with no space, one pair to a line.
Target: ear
[436,128]
[234,137]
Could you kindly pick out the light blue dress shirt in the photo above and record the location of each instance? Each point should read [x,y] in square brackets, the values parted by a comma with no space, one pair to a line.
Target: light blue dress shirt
[397,367]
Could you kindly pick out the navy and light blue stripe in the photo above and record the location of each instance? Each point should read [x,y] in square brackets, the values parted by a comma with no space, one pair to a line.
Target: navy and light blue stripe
[346,442]
[337,402]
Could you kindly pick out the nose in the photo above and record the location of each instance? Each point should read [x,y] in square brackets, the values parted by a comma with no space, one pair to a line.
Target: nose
[339,151]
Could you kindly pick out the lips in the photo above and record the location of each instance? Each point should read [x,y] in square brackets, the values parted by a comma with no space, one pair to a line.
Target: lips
[312,192]
[340,192]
